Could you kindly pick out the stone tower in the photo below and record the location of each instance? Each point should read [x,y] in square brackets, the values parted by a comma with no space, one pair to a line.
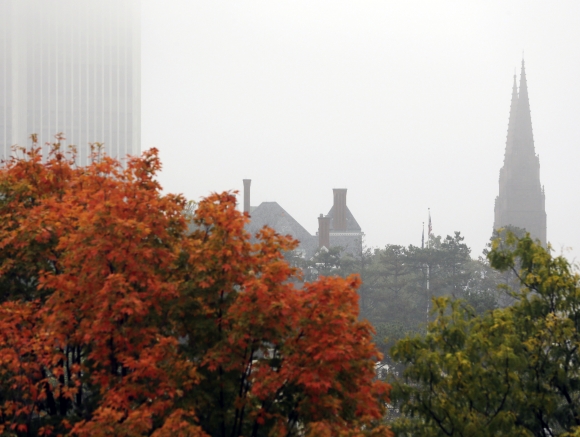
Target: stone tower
[521,199]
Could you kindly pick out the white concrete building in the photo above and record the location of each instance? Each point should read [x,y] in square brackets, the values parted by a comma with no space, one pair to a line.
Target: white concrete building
[71,66]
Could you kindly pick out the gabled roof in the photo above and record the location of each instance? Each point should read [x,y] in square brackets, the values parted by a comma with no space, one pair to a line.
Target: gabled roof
[273,215]
[351,223]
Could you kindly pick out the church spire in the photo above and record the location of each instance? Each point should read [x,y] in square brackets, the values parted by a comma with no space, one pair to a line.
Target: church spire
[524,137]
[521,202]
[512,119]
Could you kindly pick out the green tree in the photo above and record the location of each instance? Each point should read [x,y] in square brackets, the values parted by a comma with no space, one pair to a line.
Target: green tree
[401,287]
[512,371]
[484,290]
[362,263]
[393,268]
[454,275]
[326,262]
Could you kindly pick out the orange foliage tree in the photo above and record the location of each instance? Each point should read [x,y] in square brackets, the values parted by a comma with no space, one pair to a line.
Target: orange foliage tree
[117,319]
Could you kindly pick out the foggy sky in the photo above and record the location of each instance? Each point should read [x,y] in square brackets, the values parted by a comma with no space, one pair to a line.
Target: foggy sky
[404,103]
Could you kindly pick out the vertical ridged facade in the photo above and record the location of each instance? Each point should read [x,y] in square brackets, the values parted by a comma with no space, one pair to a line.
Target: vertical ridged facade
[71,66]
[521,201]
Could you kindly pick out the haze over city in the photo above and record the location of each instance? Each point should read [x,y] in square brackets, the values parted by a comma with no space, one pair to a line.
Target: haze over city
[373,147]
[406,104]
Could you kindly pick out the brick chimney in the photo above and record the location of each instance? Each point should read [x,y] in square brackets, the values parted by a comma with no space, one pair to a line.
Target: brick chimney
[247,183]
[339,210]
[323,231]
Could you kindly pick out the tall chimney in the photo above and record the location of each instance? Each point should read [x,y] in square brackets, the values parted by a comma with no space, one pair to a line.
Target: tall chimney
[323,231]
[339,213]
[247,183]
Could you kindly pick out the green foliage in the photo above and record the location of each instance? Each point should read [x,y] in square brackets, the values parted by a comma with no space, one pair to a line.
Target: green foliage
[398,282]
[327,262]
[512,371]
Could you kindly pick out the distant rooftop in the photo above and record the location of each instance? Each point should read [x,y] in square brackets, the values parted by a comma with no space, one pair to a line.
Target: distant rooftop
[273,215]
[351,223]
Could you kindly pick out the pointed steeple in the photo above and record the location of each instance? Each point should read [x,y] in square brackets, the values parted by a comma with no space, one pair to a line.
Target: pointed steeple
[512,119]
[521,200]
[524,137]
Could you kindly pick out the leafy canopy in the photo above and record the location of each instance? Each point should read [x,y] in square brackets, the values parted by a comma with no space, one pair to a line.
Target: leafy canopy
[117,319]
[512,371]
